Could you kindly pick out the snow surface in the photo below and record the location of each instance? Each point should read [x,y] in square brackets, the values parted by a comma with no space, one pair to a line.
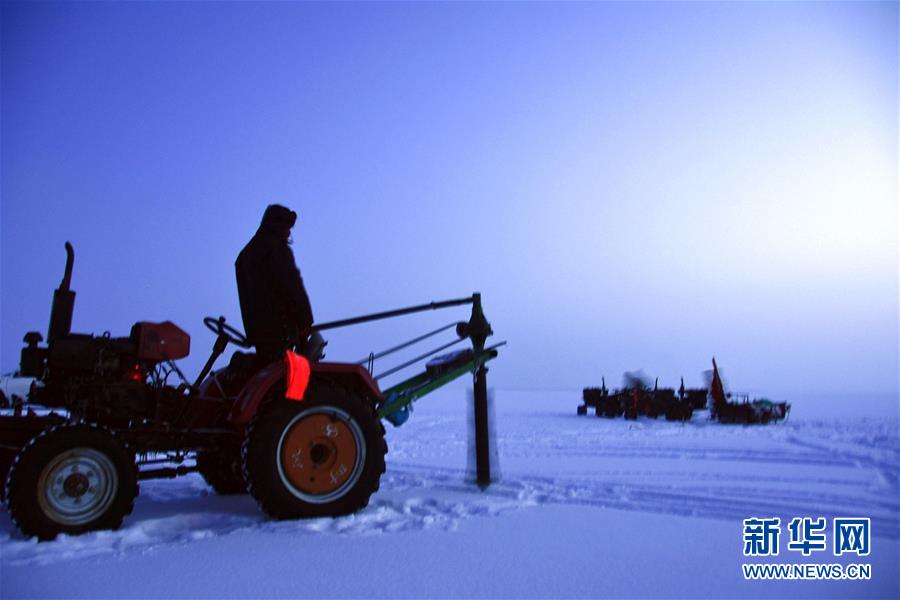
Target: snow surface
[585,507]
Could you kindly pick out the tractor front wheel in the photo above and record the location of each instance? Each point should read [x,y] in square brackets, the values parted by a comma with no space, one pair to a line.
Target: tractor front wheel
[71,479]
[322,456]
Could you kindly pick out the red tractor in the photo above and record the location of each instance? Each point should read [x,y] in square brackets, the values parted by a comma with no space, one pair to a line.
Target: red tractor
[303,437]
[637,398]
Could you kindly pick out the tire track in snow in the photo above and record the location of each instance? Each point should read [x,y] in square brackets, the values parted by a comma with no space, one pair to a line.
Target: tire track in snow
[726,501]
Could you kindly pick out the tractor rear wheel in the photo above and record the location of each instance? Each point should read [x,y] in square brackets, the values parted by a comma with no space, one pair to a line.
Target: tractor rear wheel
[71,479]
[222,470]
[322,456]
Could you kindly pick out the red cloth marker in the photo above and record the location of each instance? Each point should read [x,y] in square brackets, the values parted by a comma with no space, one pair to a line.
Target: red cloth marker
[298,370]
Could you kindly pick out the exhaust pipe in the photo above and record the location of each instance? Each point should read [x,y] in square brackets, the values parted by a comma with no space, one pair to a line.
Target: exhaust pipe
[63,302]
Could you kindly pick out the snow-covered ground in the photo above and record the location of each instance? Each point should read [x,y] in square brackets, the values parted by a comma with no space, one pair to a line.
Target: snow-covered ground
[585,507]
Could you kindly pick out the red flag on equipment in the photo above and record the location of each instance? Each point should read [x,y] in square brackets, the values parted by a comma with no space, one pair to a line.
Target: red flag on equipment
[297,368]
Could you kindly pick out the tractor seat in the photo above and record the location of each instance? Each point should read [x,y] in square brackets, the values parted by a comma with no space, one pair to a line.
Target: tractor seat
[242,361]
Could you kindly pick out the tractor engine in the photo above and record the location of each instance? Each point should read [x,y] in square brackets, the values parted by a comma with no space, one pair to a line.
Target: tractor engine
[84,356]
[110,359]
[99,377]
[103,375]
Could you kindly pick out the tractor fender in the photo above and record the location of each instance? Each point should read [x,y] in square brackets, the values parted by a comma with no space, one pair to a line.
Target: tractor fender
[349,375]
[253,392]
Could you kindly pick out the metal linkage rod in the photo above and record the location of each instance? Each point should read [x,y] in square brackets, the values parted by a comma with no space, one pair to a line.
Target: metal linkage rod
[399,347]
[394,313]
[417,359]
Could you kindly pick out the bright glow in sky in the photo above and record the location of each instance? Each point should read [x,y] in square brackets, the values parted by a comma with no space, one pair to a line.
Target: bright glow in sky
[629,185]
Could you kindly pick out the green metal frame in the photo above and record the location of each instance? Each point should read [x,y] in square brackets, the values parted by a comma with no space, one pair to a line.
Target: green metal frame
[400,396]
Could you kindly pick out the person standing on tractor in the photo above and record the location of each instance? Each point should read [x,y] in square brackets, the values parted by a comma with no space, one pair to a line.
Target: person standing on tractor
[274,305]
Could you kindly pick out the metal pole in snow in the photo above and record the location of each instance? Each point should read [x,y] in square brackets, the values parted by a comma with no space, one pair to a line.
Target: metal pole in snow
[482,443]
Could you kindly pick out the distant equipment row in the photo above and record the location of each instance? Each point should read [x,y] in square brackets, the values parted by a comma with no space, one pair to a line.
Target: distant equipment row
[637,398]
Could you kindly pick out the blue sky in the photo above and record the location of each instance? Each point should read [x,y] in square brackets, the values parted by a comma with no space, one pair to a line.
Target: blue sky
[628,184]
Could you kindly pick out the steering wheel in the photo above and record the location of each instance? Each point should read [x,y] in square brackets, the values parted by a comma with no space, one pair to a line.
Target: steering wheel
[218,327]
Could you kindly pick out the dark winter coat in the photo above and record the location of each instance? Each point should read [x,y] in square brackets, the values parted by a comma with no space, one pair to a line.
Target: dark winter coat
[274,304]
